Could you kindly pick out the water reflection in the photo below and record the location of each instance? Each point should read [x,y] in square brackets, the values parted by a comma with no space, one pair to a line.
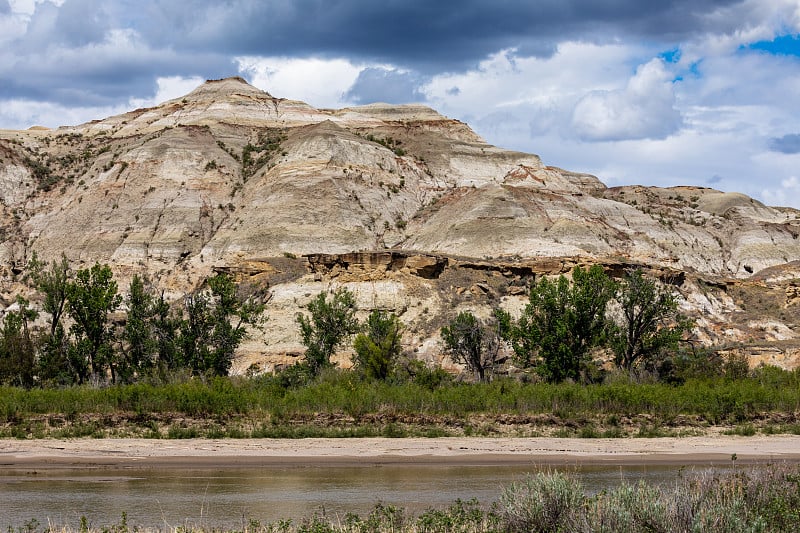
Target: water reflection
[229,497]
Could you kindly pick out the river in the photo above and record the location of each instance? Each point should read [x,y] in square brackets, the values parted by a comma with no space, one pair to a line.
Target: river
[230,497]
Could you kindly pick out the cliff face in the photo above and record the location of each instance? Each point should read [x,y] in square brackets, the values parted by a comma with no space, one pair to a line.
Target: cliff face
[413,210]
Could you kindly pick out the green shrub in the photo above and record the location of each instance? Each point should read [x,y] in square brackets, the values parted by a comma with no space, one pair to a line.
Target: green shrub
[639,507]
[544,503]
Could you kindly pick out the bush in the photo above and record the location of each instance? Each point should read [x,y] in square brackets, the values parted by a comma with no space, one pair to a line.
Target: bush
[544,503]
[378,347]
[430,378]
[639,507]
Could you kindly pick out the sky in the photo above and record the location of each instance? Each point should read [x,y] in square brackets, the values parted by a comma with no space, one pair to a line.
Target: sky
[674,92]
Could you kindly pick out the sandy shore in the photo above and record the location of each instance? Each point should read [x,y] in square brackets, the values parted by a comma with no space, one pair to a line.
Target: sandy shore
[236,453]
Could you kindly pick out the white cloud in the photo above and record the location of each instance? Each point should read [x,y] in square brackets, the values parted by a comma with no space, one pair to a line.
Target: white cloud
[644,109]
[21,113]
[169,88]
[728,107]
[27,7]
[319,82]
[786,194]
[544,85]
[12,26]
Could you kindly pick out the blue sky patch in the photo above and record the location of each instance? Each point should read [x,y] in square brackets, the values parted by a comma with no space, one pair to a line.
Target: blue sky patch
[671,56]
[785,45]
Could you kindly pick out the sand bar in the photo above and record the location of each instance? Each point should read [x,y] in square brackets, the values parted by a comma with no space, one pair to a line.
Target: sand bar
[473,451]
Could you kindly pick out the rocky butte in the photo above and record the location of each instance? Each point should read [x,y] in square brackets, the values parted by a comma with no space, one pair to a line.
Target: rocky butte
[412,211]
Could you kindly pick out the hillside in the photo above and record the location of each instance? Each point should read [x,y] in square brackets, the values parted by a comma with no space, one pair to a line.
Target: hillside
[410,209]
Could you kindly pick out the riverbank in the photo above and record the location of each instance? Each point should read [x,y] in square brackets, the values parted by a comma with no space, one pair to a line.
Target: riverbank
[213,453]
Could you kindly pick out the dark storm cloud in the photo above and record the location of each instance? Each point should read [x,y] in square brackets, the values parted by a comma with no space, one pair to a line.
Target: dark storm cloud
[382,85]
[788,144]
[93,52]
[429,36]
[103,75]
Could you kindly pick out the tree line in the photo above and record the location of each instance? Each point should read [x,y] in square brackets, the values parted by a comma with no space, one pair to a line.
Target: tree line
[563,324]
[154,339]
[566,322]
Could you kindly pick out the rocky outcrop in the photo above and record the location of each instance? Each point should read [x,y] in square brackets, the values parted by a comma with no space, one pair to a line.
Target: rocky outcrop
[412,210]
[377,264]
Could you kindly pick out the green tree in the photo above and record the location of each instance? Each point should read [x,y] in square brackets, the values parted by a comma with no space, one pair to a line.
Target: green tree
[216,324]
[378,345]
[165,327]
[195,332]
[54,364]
[232,314]
[17,346]
[330,323]
[140,340]
[473,343]
[92,297]
[562,322]
[648,323]
[53,284]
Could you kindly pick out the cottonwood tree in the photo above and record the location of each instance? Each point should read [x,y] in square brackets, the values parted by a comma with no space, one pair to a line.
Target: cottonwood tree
[92,297]
[232,314]
[195,332]
[17,347]
[648,323]
[139,335]
[561,323]
[330,323]
[471,342]
[165,327]
[51,281]
[378,345]
[215,325]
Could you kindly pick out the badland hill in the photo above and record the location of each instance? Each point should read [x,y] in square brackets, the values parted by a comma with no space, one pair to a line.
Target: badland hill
[411,210]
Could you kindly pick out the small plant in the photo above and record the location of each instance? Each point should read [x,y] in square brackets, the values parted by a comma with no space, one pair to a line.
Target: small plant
[745,430]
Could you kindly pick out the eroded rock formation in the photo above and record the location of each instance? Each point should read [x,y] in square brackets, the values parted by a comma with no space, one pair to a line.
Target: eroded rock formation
[410,209]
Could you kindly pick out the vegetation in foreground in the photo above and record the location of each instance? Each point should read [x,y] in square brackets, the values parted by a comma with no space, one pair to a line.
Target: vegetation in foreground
[758,499]
[346,403]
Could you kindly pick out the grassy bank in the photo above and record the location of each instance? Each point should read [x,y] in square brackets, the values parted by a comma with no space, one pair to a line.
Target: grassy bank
[758,499]
[341,404]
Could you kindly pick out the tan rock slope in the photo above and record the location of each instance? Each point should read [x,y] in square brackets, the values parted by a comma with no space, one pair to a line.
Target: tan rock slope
[410,209]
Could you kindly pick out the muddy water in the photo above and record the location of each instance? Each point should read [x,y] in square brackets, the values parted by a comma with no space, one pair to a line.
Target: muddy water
[229,497]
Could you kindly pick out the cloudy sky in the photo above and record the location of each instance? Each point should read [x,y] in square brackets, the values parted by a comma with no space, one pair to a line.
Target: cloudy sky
[674,92]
